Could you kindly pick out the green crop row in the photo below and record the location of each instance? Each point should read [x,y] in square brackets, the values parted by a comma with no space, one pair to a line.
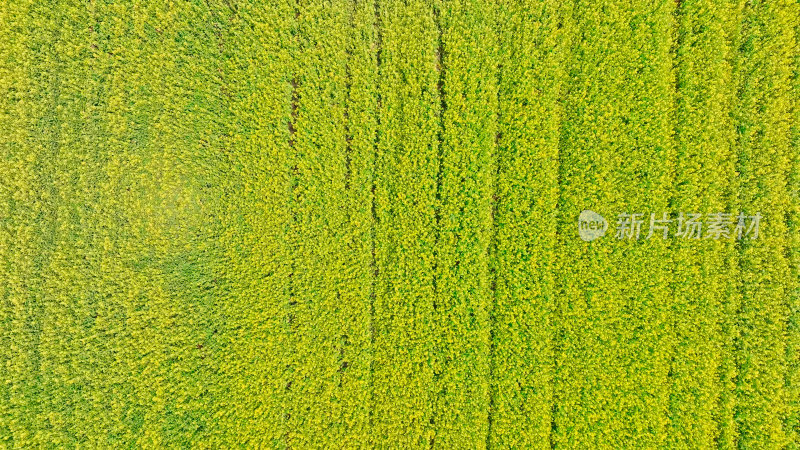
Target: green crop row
[705,297]
[407,164]
[466,57]
[793,325]
[616,155]
[532,55]
[763,119]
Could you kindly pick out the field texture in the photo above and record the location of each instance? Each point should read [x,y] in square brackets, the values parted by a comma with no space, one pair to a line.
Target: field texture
[354,224]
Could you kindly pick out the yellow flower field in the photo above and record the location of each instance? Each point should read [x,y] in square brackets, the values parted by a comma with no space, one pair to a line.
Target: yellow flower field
[347,224]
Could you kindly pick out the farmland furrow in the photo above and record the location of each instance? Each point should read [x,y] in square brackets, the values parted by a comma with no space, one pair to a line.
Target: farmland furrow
[68,352]
[111,289]
[352,224]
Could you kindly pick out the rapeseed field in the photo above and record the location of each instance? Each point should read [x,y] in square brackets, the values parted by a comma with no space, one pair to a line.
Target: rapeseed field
[445,224]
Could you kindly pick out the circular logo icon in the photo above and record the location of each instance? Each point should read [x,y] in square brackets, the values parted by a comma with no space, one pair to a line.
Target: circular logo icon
[591,225]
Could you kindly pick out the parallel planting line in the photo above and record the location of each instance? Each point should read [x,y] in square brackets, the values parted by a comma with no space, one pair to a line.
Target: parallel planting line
[614,149]
[357,294]
[405,200]
[467,149]
[762,120]
[533,45]
[31,145]
[705,294]
[792,423]
[11,81]
[321,327]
